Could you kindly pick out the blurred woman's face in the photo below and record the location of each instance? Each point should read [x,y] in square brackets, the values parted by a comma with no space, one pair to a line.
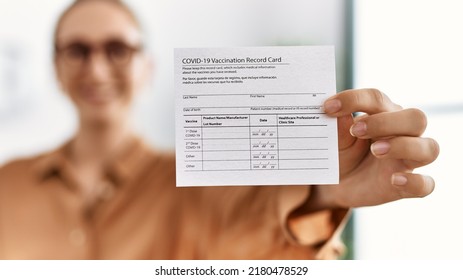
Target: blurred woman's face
[98,60]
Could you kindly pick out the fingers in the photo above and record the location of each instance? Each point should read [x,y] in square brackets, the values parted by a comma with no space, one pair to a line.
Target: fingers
[415,152]
[408,122]
[412,185]
[370,101]
[345,138]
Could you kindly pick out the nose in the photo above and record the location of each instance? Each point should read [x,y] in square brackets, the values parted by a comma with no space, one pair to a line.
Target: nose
[98,69]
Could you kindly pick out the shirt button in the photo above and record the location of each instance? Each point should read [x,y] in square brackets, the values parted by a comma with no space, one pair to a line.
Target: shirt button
[77,237]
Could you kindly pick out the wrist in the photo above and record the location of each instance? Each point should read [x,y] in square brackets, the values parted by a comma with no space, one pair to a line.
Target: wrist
[325,197]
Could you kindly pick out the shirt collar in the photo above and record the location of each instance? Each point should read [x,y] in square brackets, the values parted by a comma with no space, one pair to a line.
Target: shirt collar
[52,163]
[120,168]
[129,161]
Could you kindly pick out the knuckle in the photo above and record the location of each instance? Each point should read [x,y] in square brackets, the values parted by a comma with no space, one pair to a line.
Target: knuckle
[357,98]
[377,96]
[378,124]
[381,101]
[402,193]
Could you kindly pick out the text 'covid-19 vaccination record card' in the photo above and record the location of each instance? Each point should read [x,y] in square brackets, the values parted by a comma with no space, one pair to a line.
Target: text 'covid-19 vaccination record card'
[254,116]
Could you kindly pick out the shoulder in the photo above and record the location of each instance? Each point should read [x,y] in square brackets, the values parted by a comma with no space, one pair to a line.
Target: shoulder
[15,173]
[160,157]
[22,169]
[19,165]
[150,161]
[164,156]
[162,160]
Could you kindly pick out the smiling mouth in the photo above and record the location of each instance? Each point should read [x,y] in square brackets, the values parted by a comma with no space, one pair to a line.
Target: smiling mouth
[98,97]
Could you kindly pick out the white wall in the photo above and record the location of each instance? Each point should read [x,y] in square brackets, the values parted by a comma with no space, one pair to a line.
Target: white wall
[413,51]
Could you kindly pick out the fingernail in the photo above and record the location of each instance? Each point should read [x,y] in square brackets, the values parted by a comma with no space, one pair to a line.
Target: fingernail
[380,148]
[332,106]
[358,129]
[399,180]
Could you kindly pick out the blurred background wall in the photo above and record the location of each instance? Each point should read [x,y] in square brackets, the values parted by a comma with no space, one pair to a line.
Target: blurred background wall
[413,51]
[410,49]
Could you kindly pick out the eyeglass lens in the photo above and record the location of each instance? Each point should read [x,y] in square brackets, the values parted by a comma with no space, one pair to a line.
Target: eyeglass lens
[116,52]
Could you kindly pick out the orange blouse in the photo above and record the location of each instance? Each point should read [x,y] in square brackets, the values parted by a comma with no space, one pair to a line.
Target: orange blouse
[140,214]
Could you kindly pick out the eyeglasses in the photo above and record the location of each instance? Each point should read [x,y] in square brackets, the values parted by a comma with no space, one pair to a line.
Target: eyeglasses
[117,53]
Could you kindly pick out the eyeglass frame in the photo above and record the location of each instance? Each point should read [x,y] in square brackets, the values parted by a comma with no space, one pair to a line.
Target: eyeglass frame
[91,50]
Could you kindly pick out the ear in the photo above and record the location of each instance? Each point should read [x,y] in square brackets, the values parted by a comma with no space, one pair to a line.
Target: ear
[148,69]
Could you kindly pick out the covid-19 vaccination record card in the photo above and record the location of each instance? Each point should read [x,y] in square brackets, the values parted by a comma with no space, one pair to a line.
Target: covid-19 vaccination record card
[254,116]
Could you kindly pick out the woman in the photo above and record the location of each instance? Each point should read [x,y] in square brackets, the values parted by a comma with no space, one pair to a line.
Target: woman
[105,195]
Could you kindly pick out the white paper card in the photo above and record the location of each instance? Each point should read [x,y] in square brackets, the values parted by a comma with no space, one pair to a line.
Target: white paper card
[254,116]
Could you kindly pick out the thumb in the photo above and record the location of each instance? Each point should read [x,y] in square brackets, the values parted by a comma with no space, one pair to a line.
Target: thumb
[345,138]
